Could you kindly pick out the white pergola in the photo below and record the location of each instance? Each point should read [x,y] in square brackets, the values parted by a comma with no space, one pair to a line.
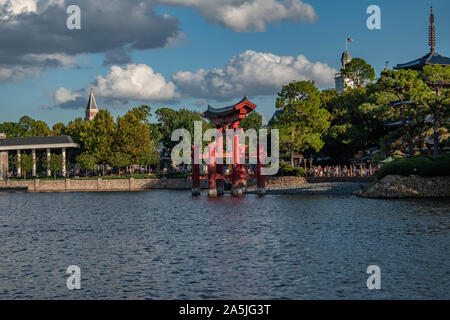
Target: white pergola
[34,144]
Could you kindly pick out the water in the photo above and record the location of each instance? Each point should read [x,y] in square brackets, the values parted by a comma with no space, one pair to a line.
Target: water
[167,245]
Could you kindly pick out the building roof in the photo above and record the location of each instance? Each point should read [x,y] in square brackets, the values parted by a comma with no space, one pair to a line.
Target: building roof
[346,58]
[428,59]
[92,105]
[431,58]
[37,143]
[229,114]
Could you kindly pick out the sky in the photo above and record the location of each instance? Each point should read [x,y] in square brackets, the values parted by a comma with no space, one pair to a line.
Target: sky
[191,53]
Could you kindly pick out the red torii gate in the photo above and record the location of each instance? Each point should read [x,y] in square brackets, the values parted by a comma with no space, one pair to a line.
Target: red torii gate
[227,118]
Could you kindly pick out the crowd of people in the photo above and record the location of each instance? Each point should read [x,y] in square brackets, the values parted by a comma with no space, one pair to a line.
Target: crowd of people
[343,171]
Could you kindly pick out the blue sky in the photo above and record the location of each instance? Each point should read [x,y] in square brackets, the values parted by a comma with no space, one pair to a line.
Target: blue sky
[211,45]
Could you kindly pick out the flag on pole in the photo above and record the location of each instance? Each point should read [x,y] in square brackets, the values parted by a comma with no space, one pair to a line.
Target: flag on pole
[350,40]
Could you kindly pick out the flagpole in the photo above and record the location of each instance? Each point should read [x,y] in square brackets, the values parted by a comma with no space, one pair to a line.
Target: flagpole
[346,44]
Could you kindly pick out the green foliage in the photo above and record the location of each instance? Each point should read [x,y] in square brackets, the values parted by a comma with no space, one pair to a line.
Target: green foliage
[353,127]
[133,134]
[55,163]
[40,129]
[170,120]
[59,129]
[120,159]
[86,161]
[438,79]
[288,170]
[26,127]
[252,121]
[149,159]
[25,162]
[359,71]
[423,166]
[303,121]
[99,135]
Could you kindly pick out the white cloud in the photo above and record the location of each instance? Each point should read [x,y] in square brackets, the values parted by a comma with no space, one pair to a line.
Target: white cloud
[252,73]
[17,73]
[130,82]
[12,8]
[134,82]
[248,15]
[32,64]
[63,95]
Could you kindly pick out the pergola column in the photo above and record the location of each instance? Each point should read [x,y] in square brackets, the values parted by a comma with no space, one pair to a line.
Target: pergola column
[63,157]
[49,171]
[33,156]
[19,170]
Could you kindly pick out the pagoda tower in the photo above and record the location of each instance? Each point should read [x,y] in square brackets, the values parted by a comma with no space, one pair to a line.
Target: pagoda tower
[91,109]
[431,58]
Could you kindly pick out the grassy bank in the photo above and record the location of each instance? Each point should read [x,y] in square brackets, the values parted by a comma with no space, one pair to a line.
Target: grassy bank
[422,166]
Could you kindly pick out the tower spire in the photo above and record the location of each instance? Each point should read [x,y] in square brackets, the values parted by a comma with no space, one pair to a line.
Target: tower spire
[432,32]
[91,109]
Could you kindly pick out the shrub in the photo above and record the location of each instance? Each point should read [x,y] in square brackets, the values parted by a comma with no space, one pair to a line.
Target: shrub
[288,170]
[423,166]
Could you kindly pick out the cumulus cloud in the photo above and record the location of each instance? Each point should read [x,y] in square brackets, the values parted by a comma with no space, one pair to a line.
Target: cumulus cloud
[31,64]
[130,82]
[67,99]
[16,73]
[252,73]
[38,28]
[134,82]
[249,15]
[63,95]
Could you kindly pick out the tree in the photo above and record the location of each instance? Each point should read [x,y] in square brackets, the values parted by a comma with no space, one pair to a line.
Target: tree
[354,126]
[438,79]
[407,89]
[133,133]
[86,162]
[252,121]
[303,121]
[26,124]
[149,159]
[359,71]
[59,129]
[40,129]
[55,164]
[120,160]
[169,120]
[11,129]
[24,162]
[99,137]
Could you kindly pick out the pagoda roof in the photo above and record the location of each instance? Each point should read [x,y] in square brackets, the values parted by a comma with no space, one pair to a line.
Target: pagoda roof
[229,114]
[431,58]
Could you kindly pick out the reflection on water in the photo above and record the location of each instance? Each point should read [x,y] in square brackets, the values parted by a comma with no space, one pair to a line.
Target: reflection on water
[166,244]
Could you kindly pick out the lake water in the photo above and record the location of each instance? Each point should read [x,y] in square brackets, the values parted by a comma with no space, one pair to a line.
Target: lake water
[168,245]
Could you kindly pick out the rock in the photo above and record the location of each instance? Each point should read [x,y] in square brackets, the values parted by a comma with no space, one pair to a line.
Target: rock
[396,187]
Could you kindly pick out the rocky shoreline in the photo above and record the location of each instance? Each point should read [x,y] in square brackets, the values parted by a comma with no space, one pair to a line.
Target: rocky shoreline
[400,187]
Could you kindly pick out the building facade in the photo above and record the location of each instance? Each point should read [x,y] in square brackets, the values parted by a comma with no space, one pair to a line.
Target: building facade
[342,82]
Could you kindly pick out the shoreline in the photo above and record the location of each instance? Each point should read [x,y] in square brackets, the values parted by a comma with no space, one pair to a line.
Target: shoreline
[275,185]
[390,187]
